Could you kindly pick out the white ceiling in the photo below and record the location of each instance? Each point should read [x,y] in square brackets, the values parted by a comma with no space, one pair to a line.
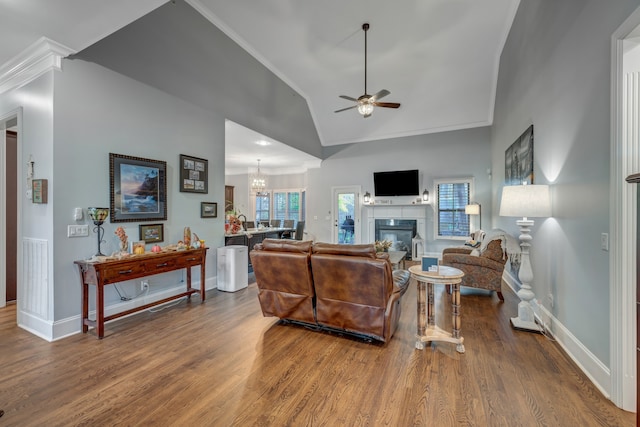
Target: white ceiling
[438,58]
[243,148]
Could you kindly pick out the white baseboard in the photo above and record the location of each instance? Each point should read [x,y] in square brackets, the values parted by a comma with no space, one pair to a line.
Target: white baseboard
[37,326]
[598,372]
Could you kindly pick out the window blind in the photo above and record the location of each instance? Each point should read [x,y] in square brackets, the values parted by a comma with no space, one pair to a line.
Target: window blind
[452,199]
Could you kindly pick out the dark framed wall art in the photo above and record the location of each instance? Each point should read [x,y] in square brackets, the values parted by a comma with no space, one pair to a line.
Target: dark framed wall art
[194,174]
[152,233]
[208,210]
[518,160]
[138,189]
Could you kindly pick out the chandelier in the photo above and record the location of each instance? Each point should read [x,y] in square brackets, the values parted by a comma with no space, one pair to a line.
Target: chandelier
[259,182]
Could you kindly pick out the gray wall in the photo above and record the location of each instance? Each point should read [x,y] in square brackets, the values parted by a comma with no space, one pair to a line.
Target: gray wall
[457,154]
[555,73]
[98,112]
[174,48]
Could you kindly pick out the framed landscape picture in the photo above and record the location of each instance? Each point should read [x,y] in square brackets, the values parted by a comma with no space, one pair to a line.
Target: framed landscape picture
[518,160]
[194,174]
[152,233]
[208,210]
[138,189]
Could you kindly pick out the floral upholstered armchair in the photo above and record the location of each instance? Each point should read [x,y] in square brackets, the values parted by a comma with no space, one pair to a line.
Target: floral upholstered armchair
[483,267]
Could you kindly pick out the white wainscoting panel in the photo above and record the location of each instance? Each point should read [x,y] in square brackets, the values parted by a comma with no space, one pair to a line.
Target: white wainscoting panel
[34,298]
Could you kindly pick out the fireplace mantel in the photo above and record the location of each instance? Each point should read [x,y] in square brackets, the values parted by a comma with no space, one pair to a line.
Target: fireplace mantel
[397,211]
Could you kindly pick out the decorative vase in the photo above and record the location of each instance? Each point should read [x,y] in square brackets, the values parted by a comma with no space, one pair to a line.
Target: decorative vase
[187,237]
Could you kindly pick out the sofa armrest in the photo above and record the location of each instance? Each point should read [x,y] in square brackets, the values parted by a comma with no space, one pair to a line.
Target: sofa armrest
[401,281]
[472,261]
[458,250]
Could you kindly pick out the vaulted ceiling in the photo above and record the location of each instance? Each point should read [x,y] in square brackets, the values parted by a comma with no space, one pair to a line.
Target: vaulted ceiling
[438,58]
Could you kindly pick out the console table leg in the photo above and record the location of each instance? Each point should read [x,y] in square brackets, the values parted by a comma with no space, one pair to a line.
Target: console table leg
[85,306]
[189,280]
[100,311]
[202,281]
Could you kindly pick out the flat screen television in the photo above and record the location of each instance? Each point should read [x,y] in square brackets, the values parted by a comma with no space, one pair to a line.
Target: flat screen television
[396,183]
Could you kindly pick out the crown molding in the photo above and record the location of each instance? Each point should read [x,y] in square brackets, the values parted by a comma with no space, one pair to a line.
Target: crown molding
[42,56]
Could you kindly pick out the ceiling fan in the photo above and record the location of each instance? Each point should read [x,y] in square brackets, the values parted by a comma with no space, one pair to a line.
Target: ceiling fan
[366,102]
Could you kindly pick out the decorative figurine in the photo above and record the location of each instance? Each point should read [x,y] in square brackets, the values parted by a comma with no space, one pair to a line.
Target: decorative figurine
[122,235]
[187,237]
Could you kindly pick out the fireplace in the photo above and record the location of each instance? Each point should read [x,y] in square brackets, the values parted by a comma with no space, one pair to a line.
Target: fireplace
[398,231]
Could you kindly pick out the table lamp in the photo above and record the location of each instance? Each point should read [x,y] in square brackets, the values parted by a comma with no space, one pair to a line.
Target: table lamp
[474,209]
[98,215]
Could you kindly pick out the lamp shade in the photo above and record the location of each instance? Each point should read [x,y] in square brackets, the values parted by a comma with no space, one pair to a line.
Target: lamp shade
[472,209]
[525,201]
[98,214]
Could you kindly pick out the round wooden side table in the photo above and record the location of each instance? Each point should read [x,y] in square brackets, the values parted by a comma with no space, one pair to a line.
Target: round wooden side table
[427,329]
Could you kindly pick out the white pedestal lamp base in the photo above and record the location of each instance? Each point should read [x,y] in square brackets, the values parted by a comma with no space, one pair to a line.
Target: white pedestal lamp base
[522,325]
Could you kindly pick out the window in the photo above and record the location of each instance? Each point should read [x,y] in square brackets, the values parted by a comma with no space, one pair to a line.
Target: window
[262,207]
[452,196]
[287,204]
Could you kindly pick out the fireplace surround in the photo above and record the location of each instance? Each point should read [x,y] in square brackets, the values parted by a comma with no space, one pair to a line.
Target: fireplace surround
[398,231]
[396,215]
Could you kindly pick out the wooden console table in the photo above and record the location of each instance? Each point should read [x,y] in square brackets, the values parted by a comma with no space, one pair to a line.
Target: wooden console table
[427,329]
[103,273]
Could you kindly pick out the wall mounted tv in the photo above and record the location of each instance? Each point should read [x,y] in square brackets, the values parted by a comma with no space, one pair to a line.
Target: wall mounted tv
[396,183]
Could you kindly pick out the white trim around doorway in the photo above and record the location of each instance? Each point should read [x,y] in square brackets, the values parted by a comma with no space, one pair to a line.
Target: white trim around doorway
[622,255]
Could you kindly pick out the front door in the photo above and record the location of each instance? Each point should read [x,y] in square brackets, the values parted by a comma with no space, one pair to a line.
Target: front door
[346,215]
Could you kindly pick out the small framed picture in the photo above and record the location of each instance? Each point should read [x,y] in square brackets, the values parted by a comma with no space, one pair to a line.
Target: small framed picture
[39,191]
[208,210]
[193,174]
[152,233]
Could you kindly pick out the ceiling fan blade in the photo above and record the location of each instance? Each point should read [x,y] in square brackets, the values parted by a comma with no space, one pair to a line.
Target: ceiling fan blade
[387,104]
[345,109]
[366,115]
[380,94]
[348,97]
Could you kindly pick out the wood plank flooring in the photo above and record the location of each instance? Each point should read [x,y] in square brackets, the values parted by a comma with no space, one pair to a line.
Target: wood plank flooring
[222,363]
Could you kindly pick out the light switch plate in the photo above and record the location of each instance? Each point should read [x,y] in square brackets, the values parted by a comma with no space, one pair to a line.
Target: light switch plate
[604,241]
[77,230]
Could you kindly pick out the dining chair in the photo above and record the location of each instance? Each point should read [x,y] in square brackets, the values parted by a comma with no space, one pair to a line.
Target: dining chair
[275,223]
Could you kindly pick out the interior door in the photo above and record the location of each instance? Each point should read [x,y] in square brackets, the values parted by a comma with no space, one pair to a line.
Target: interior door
[346,215]
[11,214]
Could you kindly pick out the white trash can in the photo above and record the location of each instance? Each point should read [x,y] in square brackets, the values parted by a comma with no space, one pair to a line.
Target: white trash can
[233,268]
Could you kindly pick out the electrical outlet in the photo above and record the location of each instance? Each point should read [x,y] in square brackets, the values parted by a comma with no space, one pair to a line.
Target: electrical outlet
[550,297]
[144,284]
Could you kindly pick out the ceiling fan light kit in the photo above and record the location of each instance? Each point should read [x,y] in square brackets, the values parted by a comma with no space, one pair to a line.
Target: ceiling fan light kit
[365,103]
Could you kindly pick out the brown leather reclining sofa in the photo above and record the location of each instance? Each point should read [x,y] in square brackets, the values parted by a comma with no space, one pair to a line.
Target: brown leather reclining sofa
[348,288]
